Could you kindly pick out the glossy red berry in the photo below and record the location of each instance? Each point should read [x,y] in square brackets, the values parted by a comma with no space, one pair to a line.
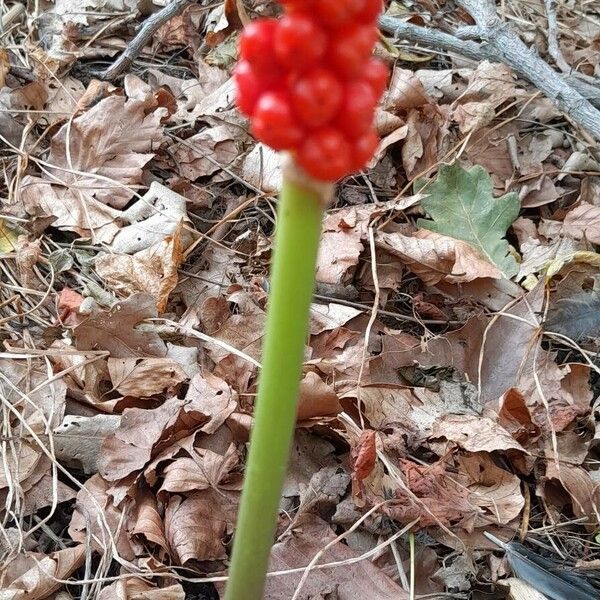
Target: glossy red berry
[316,96]
[248,87]
[299,42]
[376,74]
[337,13]
[350,48]
[273,122]
[363,149]
[356,113]
[325,154]
[257,44]
[370,11]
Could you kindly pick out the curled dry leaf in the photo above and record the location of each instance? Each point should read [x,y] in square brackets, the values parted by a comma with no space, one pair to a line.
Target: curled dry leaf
[434,257]
[44,577]
[147,525]
[316,399]
[364,458]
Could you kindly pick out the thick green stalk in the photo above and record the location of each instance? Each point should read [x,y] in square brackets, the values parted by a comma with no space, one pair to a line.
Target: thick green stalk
[292,285]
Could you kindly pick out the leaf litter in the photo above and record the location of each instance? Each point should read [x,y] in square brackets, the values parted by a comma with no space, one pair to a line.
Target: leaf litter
[135,237]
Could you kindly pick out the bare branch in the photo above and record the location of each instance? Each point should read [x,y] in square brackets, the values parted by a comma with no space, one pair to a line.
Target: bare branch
[553,47]
[500,44]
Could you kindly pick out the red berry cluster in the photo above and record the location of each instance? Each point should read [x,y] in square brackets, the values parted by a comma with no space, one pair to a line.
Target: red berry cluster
[310,85]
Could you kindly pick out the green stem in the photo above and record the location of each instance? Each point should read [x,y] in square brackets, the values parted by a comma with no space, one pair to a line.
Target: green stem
[292,285]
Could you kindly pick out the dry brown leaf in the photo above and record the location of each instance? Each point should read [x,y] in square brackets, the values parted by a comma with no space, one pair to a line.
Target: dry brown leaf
[42,579]
[474,433]
[143,377]
[153,270]
[197,525]
[426,129]
[514,416]
[137,589]
[206,152]
[435,257]
[205,469]
[583,222]
[114,330]
[130,447]
[4,66]
[364,458]
[348,582]
[316,398]
[77,440]
[115,148]
[405,91]
[95,514]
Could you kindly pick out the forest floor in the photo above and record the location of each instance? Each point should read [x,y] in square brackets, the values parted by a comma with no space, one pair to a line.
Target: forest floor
[450,387]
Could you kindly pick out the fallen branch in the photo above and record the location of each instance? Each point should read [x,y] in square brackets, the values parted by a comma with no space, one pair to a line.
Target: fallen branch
[500,44]
[151,25]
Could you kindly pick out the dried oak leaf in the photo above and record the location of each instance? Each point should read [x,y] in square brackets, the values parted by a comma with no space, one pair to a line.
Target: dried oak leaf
[196,526]
[114,330]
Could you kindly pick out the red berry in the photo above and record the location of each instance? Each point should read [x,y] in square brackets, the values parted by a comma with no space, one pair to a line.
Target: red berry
[273,122]
[325,154]
[248,87]
[316,96]
[337,13]
[376,74]
[299,42]
[350,49]
[356,114]
[371,10]
[363,149]
[256,44]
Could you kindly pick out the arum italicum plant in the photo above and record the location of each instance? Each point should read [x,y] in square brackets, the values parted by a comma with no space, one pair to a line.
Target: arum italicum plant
[309,84]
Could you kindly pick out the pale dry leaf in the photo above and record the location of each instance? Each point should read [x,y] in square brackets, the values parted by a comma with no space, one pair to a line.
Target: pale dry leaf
[137,589]
[43,578]
[115,148]
[78,439]
[143,377]
[583,222]
[261,168]
[114,330]
[435,257]
[196,526]
[474,433]
[426,129]
[206,152]
[329,317]
[405,91]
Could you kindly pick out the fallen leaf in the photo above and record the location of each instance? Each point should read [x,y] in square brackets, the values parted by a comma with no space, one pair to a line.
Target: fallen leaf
[316,398]
[583,222]
[148,526]
[364,457]
[137,589]
[461,205]
[8,237]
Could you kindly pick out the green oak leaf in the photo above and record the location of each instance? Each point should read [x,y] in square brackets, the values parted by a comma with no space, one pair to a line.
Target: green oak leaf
[461,205]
